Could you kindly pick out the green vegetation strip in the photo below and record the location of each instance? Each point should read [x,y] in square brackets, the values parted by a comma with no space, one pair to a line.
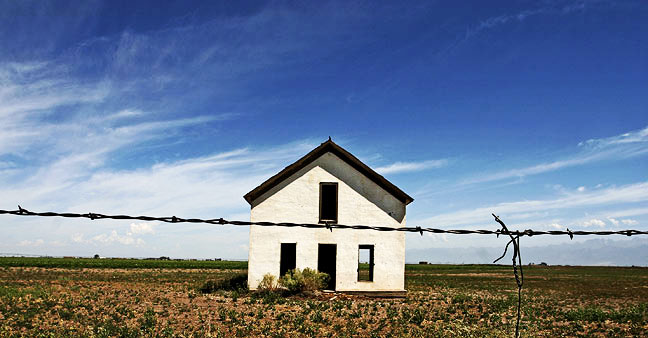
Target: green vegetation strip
[117,263]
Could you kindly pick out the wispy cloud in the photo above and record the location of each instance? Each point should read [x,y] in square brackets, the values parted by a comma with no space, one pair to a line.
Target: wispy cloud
[628,212]
[613,221]
[208,186]
[27,108]
[520,16]
[594,222]
[632,193]
[630,144]
[632,137]
[37,242]
[400,167]
[109,238]
[501,20]
[25,89]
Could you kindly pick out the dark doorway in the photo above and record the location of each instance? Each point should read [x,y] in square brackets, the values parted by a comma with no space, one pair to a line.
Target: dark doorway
[326,254]
[288,256]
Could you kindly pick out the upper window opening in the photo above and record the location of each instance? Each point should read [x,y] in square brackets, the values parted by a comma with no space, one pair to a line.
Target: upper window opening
[328,202]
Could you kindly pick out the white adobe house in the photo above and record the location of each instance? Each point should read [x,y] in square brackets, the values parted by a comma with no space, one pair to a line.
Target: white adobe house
[329,185]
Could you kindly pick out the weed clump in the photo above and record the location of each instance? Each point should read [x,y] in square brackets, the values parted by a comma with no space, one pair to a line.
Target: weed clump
[292,283]
[268,290]
[236,283]
[269,283]
[300,281]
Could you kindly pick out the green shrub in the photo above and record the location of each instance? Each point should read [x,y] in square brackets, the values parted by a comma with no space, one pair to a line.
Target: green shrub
[236,283]
[298,281]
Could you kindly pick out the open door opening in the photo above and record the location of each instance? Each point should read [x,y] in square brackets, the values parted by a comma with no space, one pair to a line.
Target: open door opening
[326,257]
[365,263]
[288,258]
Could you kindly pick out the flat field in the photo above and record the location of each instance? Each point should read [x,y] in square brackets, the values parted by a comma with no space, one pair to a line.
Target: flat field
[49,297]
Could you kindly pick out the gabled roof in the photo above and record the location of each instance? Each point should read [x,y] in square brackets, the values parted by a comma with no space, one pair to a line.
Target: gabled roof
[328,146]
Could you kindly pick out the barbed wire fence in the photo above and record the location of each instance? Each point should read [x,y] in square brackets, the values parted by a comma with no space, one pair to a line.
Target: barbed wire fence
[513,235]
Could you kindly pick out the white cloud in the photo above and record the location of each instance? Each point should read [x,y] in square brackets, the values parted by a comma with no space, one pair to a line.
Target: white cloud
[613,221]
[593,222]
[629,222]
[141,228]
[557,226]
[113,237]
[628,212]
[37,242]
[78,238]
[126,113]
[581,189]
[400,167]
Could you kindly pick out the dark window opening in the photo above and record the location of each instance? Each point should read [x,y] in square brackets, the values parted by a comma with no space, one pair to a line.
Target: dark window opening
[366,263]
[328,202]
[288,258]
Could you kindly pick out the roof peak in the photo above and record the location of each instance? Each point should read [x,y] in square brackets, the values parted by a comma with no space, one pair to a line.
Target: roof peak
[344,155]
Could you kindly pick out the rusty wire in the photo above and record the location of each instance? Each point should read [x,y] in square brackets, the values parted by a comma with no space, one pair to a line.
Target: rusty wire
[513,235]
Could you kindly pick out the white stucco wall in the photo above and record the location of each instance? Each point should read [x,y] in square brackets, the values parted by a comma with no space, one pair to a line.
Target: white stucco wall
[360,201]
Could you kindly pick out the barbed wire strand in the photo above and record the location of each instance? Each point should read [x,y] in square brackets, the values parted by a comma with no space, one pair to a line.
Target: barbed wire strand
[330,226]
[513,235]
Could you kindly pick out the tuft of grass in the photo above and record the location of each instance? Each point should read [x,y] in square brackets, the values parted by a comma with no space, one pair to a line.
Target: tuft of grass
[635,314]
[10,292]
[461,298]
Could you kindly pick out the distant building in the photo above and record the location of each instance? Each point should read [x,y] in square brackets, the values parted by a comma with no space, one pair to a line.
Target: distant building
[329,185]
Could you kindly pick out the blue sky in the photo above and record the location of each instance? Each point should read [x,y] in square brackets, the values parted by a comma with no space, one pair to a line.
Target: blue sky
[535,110]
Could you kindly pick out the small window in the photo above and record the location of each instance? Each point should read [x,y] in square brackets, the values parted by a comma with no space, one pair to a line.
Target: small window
[366,263]
[328,202]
